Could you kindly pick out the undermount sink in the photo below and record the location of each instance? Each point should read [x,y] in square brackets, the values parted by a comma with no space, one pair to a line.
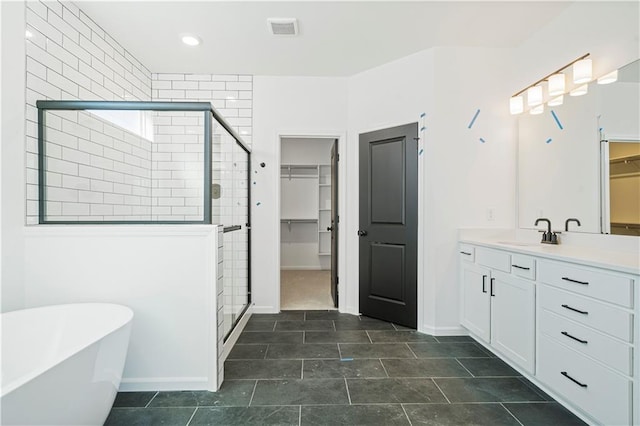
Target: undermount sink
[516,243]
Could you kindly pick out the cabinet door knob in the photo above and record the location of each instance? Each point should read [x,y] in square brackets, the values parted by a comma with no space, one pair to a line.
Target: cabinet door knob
[362,233]
[329,228]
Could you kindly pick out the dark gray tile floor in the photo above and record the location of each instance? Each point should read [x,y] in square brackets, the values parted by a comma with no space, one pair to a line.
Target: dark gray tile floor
[328,368]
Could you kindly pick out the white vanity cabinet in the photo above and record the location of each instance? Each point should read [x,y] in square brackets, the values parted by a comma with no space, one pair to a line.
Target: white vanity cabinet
[585,339]
[570,327]
[498,307]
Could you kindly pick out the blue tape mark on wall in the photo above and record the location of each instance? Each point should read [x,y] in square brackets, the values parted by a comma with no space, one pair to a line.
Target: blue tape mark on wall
[423,129]
[258,203]
[346,359]
[473,120]
[555,117]
[423,114]
[421,151]
[549,140]
[482,140]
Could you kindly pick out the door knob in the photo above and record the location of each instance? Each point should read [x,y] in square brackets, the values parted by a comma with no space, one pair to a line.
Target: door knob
[362,233]
[329,228]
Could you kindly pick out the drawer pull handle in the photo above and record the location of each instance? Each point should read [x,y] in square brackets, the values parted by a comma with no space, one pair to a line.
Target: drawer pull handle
[575,310]
[465,253]
[491,287]
[582,385]
[521,267]
[575,281]
[574,338]
[484,284]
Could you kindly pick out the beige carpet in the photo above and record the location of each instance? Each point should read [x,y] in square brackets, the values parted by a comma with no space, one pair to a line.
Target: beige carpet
[305,290]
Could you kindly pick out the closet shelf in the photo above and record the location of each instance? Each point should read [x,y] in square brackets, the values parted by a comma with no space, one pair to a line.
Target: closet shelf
[299,171]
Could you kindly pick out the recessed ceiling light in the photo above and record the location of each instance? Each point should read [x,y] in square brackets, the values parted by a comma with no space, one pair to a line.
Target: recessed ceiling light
[190,39]
[28,34]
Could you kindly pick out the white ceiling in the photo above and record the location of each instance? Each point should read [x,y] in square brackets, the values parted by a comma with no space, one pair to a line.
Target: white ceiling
[336,38]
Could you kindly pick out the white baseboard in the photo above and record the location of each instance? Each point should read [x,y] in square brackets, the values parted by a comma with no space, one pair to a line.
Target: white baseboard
[302,268]
[264,310]
[140,384]
[443,331]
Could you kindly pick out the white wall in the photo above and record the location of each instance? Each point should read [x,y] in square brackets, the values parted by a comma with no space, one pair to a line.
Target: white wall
[12,167]
[166,274]
[459,176]
[287,106]
[465,178]
[606,30]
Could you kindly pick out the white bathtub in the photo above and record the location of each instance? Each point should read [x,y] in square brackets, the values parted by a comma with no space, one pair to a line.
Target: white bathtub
[62,365]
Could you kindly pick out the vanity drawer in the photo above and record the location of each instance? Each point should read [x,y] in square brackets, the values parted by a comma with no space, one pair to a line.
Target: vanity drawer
[608,319]
[612,352]
[604,394]
[595,283]
[523,266]
[467,252]
[495,259]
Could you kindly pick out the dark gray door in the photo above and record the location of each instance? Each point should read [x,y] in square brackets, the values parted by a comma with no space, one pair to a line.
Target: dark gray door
[389,224]
[334,223]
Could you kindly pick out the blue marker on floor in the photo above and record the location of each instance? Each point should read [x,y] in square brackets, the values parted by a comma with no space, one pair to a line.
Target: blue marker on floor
[346,359]
[473,120]
[555,117]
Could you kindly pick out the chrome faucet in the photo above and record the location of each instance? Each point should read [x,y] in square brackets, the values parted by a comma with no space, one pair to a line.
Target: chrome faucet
[548,236]
[571,219]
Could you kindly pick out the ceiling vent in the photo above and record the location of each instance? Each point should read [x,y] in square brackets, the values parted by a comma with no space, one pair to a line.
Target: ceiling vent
[283,26]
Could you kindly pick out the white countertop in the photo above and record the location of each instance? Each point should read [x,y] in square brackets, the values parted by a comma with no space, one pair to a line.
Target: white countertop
[621,261]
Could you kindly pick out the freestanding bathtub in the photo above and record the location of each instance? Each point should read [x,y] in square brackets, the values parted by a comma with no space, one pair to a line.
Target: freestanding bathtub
[62,364]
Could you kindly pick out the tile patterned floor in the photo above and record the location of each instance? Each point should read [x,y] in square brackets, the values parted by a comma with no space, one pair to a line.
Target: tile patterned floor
[328,368]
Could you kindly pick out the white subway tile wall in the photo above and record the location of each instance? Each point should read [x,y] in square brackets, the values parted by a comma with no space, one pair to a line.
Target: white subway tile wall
[94,172]
[232,96]
[100,171]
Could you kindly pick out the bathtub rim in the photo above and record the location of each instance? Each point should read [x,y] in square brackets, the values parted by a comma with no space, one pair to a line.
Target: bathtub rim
[7,388]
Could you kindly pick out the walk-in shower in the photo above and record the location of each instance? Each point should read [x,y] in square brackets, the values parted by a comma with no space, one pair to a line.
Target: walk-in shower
[119,163]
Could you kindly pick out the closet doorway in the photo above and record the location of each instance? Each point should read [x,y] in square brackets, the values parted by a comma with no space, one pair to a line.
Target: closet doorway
[308,223]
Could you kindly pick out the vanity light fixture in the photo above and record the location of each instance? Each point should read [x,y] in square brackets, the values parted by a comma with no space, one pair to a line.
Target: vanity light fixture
[556,84]
[580,90]
[534,96]
[612,77]
[516,105]
[190,39]
[557,88]
[556,101]
[539,109]
[582,71]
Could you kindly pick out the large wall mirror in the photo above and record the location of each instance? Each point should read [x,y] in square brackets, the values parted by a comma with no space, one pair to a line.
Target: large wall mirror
[582,160]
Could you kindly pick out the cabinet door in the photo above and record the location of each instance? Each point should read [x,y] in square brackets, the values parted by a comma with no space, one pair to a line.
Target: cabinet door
[513,318]
[475,301]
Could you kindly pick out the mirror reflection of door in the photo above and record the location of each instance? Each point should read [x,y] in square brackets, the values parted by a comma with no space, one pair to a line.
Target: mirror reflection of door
[622,192]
